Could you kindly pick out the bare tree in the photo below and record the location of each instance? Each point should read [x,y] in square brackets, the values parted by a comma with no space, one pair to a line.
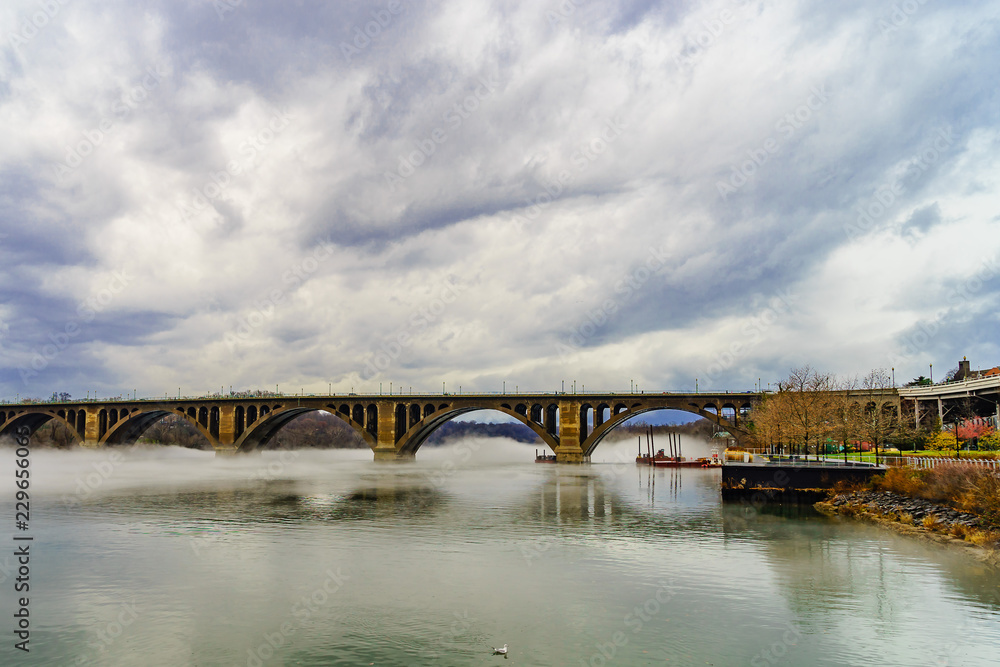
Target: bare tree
[845,413]
[879,418]
[809,407]
[770,423]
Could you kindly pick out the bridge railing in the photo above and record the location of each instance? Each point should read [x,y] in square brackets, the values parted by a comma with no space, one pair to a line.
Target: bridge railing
[265,395]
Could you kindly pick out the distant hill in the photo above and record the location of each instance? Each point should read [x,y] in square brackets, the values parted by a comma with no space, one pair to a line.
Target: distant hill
[452,430]
[700,428]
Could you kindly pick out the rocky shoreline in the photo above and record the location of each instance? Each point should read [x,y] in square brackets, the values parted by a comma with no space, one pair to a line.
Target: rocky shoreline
[921,518]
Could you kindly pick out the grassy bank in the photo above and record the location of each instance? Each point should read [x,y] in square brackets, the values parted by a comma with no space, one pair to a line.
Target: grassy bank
[968,488]
[952,502]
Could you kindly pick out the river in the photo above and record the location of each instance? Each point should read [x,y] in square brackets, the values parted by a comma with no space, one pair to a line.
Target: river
[164,556]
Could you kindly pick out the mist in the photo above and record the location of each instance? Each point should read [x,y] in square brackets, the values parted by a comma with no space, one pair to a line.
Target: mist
[621,450]
[81,474]
[85,473]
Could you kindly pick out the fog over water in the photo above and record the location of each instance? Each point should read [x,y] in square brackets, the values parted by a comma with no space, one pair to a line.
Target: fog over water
[164,556]
[86,472]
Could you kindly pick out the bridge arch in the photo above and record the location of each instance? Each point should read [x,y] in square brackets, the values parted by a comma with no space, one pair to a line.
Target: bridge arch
[259,434]
[11,420]
[128,429]
[417,434]
[602,431]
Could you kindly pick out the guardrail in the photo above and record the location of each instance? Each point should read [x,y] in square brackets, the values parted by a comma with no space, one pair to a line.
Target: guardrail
[934,461]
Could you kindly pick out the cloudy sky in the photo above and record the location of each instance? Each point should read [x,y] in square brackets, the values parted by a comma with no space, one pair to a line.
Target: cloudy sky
[199,195]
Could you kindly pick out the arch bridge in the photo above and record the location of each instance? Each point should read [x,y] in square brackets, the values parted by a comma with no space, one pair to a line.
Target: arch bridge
[394,427]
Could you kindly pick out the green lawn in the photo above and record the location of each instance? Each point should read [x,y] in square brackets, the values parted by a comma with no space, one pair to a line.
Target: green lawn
[947,453]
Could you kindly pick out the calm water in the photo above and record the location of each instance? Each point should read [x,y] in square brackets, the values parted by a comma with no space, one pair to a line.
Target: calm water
[173,557]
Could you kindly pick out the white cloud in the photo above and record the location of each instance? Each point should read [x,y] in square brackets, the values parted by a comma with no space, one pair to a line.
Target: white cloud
[257,141]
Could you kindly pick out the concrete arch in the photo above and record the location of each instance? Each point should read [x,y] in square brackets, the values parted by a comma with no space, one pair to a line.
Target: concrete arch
[535,414]
[265,428]
[130,428]
[34,419]
[599,411]
[590,444]
[585,414]
[417,434]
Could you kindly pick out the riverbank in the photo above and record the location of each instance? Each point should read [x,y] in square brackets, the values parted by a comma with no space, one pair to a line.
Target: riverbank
[919,518]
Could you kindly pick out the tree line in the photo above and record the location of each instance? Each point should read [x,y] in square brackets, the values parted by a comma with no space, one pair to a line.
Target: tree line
[818,413]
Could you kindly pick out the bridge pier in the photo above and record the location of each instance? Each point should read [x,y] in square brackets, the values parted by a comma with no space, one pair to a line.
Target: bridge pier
[392,456]
[570,448]
[227,451]
[571,455]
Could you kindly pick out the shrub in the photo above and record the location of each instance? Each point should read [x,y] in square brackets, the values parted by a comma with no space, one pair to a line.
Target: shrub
[845,486]
[984,538]
[949,482]
[983,496]
[965,486]
[942,441]
[990,441]
[932,522]
[904,481]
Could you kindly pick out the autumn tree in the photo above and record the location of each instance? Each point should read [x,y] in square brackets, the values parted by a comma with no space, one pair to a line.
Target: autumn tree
[845,413]
[802,412]
[769,428]
[809,406]
[879,418]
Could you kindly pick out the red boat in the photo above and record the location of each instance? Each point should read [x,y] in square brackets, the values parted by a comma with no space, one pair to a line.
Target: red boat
[675,460]
[661,459]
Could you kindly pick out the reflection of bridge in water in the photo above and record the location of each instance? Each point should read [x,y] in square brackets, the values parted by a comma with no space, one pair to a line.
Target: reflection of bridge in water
[606,498]
[394,427]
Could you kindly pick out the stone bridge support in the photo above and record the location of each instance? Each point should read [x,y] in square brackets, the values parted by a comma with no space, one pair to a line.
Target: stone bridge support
[387,441]
[570,449]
